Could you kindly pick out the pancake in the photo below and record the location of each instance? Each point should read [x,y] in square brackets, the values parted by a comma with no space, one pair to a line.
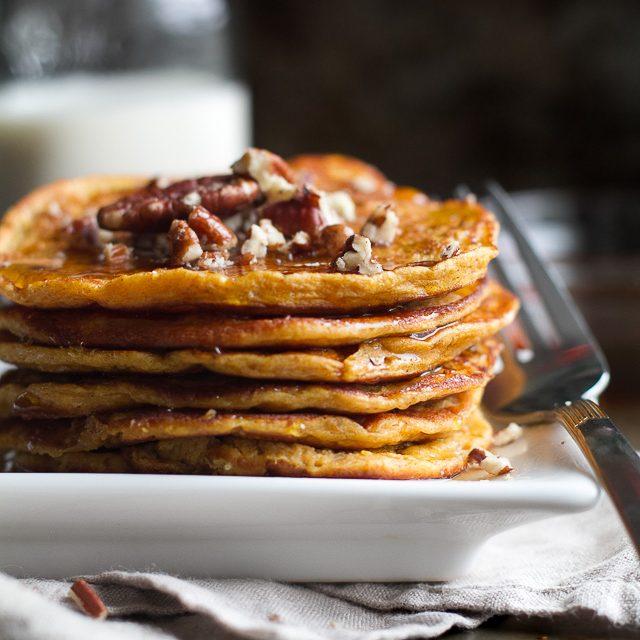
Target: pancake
[81,396]
[208,330]
[373,361]
[416,424]
[39,268]
[437,458]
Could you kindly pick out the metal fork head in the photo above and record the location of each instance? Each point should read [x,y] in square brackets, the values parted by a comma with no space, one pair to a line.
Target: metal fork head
[558,358]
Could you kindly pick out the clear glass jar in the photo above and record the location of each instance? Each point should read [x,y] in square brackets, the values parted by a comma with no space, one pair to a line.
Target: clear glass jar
[103,86]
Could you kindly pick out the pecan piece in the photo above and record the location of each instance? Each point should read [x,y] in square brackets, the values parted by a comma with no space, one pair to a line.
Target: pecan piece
[213,261]
[211,231]
[117,255]
[509,434]
[333,238]
[382,225]
[87,599]
[222,195]
[184,244]
[491,463]
[153,209]
[261,237]
[337,207]
[450,250]
[270,171]
[357,256]
[83,233]
[301,213]
[299,243]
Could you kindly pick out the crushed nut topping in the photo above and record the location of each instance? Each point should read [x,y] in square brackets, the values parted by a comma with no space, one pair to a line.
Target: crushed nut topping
[333,237]
[301,213]
[301,238]
[337,207]
[300,242]
[213,261]
[83,233]
[509,434]
[382,225]
[117,255]
[211,231]
[184,244]
[452,249]
[261,237]
[491,463]
[357,256]
[274,236]
[310,211]
[271,172]
[194,222]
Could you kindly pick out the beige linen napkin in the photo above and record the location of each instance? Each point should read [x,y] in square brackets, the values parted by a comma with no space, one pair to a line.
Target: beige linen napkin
[577,569]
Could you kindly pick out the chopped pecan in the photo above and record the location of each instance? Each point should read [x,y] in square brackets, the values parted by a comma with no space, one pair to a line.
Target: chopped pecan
[491,463]
[509,434]
[271,172]
[213,261]
[83,233]
[301,213]
[87,599]
[301,241]
[337,207]
[333,238]
[184,244]
[154,246]
[154,209]
[452,249]
[261,237]
[357,256]
[382,225]
[117,255]
[476,456]
[211,231]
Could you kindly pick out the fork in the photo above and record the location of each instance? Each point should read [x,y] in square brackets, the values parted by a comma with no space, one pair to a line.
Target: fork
[563,366]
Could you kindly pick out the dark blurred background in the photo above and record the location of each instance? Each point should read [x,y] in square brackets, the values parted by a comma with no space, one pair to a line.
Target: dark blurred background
[542,96]
[534,93]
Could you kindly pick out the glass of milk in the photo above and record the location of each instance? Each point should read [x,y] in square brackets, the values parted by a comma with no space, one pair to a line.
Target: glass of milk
[185,116]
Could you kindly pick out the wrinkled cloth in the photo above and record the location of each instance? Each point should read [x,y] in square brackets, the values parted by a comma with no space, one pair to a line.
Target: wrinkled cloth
[579,570]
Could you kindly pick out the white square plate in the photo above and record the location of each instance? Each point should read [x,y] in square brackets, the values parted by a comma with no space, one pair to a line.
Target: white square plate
[297,529]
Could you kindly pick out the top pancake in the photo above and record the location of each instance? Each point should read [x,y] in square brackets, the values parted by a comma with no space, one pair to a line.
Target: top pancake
[39,270]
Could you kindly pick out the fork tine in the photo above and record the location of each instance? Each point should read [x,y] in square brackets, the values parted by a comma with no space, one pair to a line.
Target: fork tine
[567,319]
[530,329]
[503,274]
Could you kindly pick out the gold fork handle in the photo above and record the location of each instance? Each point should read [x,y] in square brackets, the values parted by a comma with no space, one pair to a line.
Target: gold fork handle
[611,457]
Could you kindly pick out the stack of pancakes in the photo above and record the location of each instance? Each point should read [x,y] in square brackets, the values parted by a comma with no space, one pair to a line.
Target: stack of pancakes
[284,365]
